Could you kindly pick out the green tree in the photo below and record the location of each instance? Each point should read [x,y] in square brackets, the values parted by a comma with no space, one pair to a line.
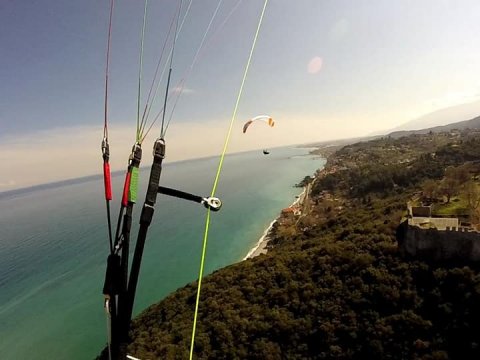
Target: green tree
[455,177]
[429,189]
[472,195]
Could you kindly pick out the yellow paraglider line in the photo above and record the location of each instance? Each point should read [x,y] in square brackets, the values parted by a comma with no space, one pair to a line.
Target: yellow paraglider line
[217,177]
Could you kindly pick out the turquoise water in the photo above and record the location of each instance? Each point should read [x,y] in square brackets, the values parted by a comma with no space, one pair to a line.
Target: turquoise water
[53,246]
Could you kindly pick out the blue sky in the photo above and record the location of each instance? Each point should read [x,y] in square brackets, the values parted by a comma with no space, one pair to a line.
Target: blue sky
[323,69]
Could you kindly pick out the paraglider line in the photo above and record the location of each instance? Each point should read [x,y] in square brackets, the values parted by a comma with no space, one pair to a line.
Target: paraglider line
[217,177]
[140,70]
[164,68]
[195,58]
[105,146]
[147,103]
[162,134]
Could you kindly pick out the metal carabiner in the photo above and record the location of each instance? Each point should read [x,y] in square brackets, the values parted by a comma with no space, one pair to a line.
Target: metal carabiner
[212,203]
[105,149]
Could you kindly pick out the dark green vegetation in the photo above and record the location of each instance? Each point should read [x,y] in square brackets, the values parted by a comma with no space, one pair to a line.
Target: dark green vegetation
[333,285]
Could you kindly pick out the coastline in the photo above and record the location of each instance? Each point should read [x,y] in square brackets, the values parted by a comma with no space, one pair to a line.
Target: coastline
[261,245]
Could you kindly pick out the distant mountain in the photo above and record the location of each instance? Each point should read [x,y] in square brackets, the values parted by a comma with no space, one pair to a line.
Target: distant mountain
[438,121]
[442,117]
[461,125]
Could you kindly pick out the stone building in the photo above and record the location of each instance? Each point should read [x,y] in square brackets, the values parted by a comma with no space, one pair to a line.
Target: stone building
[437,238]
[459,245]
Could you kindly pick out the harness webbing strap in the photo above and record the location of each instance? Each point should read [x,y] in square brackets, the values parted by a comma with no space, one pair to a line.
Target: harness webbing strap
[145,221]
[112,284]
[111,289]
[179,194]
[127,226]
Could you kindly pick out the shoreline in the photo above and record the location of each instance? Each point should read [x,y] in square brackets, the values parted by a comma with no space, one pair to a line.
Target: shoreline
[261,245]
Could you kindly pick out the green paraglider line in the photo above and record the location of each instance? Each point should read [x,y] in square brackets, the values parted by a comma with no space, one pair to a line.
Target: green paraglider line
[217,177]
[120,289]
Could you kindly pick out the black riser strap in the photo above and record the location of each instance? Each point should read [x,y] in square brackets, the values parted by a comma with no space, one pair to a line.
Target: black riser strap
[179,194]
[112,285]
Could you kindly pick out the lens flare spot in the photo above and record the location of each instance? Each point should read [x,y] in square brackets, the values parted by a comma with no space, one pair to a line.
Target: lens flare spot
[315,65]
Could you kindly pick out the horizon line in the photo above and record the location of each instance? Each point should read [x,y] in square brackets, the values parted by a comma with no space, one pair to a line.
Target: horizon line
[91,177]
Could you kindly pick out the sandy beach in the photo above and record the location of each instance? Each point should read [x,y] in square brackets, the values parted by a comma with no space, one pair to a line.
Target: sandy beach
[261,245]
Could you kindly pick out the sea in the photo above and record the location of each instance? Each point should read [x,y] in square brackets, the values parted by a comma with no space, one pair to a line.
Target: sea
[54,244]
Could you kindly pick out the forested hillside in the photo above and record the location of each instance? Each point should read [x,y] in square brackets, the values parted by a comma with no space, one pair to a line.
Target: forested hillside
[333,285]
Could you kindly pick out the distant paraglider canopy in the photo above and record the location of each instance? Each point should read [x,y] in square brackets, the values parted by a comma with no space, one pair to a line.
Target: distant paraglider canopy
[265,118]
